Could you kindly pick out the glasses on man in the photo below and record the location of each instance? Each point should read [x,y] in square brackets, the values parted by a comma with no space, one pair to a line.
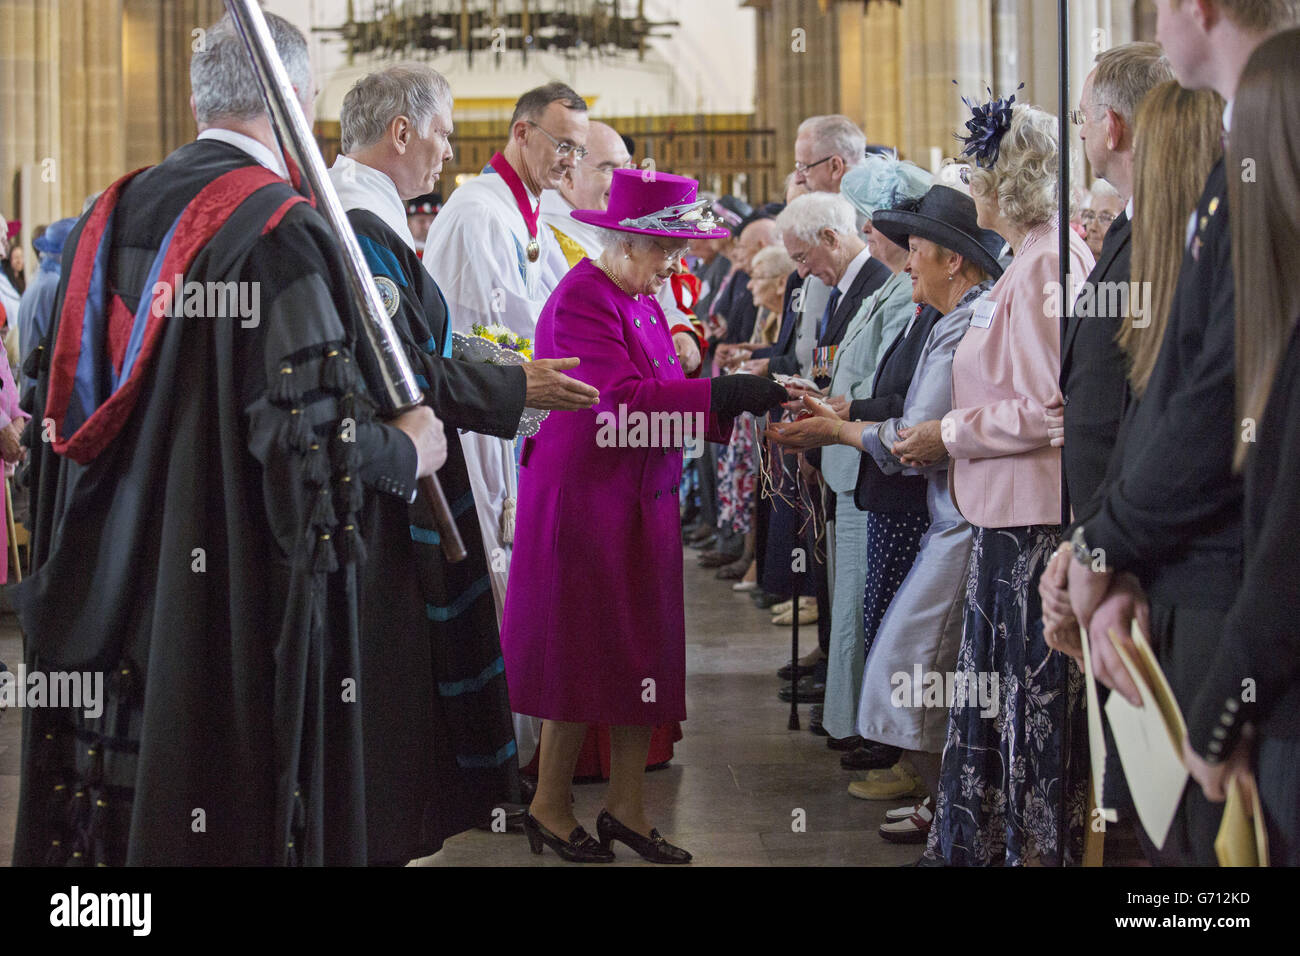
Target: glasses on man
[802,168]
[1079,117]
[1104,218]
[564,148]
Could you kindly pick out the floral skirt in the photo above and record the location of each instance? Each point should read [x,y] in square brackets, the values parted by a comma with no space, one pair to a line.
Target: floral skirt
[738,478]
[1013,783]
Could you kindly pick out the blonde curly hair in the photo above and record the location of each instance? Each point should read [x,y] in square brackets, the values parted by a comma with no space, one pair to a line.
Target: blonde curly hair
[1024,178]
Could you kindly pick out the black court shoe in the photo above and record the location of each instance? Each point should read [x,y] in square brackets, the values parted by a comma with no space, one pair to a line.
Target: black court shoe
[655,849]
[579,848]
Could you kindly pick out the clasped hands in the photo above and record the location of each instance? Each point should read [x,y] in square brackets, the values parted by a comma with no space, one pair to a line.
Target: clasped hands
[1108,604]
[821,426]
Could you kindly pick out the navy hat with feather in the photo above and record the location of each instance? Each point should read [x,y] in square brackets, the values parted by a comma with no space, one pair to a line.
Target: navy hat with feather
[987,125]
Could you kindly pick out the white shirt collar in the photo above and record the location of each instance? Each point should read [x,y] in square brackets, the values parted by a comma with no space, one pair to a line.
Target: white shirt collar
[852,269]
[363,187]
[265,157]
[1128,210]
[1227,117]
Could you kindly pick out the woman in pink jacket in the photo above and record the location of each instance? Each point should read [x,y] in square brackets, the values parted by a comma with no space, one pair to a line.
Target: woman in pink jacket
[1012,786]
[594,623]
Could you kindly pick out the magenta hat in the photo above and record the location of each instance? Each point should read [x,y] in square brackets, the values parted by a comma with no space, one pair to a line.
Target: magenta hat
[655,204]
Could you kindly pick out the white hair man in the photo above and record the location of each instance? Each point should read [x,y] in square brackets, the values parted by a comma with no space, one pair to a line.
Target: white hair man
[396,126]
[210,428]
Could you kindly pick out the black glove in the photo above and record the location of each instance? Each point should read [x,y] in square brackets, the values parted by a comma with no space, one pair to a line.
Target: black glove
[732,394]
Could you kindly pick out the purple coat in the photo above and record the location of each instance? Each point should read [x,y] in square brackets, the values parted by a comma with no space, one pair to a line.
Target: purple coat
[594,605]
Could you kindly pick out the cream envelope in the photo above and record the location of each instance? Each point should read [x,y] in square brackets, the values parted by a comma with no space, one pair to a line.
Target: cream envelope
[1096,738]
[1150,741]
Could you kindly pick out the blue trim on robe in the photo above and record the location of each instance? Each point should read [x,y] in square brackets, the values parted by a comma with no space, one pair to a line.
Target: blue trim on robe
[491,760]
[425,535]
[421,381]
[472,684]
[462,504]
[381,260]
[460,604]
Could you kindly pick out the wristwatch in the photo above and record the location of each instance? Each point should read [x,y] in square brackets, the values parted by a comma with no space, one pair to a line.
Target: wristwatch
[1083,554]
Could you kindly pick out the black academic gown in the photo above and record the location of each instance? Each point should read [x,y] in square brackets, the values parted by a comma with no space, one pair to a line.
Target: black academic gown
[203,560]
[440,746]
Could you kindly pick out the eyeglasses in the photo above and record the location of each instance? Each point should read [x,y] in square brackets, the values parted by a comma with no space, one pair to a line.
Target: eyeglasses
[1105,218]
[802,168]
[1079,117]
[802,258]
[562,148]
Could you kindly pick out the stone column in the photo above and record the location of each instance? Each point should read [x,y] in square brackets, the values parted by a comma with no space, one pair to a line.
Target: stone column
[944,40]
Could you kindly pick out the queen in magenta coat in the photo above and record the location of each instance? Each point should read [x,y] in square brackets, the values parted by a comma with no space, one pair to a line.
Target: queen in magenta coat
[594,627]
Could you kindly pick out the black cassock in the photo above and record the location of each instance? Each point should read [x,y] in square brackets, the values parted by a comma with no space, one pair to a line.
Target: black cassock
[445,740]
[205,557]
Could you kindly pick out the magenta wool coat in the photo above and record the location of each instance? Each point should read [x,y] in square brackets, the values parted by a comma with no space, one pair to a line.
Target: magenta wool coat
[594,626]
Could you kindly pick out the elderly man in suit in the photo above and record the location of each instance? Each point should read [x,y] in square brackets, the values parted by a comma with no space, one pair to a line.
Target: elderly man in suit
[821,235]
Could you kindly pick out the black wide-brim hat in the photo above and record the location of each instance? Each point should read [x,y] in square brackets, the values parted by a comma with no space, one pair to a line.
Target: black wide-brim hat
[945,216]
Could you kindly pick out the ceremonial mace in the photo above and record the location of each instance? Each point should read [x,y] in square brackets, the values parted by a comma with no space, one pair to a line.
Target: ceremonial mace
[289,123]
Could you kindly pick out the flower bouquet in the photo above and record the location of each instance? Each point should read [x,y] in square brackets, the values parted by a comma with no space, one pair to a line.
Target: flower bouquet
[498,345]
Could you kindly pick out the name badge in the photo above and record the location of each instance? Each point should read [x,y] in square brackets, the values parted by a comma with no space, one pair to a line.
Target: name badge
[982,313]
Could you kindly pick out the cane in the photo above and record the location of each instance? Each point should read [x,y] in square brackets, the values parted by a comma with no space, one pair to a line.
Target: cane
[290,127]
[795,589]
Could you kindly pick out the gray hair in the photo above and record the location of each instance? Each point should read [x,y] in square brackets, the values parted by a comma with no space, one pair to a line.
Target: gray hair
[533,104]
[773,259]
[1103,190]
[222,78]
[413,90]
[809,214]
[636,242]
[1127,73]
[836,135]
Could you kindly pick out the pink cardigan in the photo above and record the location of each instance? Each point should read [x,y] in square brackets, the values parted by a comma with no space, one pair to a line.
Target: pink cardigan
[1004,472]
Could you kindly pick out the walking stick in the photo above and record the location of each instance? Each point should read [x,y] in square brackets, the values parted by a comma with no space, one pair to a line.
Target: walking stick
[291,130]
[795,588]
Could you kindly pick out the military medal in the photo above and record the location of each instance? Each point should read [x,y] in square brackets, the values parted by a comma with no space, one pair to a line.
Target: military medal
[522,200]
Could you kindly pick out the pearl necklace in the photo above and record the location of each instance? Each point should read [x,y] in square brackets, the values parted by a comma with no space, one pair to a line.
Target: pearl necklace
[614,279]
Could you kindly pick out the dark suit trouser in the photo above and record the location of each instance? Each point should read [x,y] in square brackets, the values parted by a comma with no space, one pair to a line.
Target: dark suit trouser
[1185,639]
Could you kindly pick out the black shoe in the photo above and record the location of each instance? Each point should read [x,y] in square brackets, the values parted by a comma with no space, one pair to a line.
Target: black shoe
[851,742]
[655,849]
[811,691]
[800,670]
[765,599]
[705,542]
[871,756]
[579,848]
[716,559]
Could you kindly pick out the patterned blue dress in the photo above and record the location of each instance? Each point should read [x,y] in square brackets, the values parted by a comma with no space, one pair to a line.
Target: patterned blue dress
[1013,783]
